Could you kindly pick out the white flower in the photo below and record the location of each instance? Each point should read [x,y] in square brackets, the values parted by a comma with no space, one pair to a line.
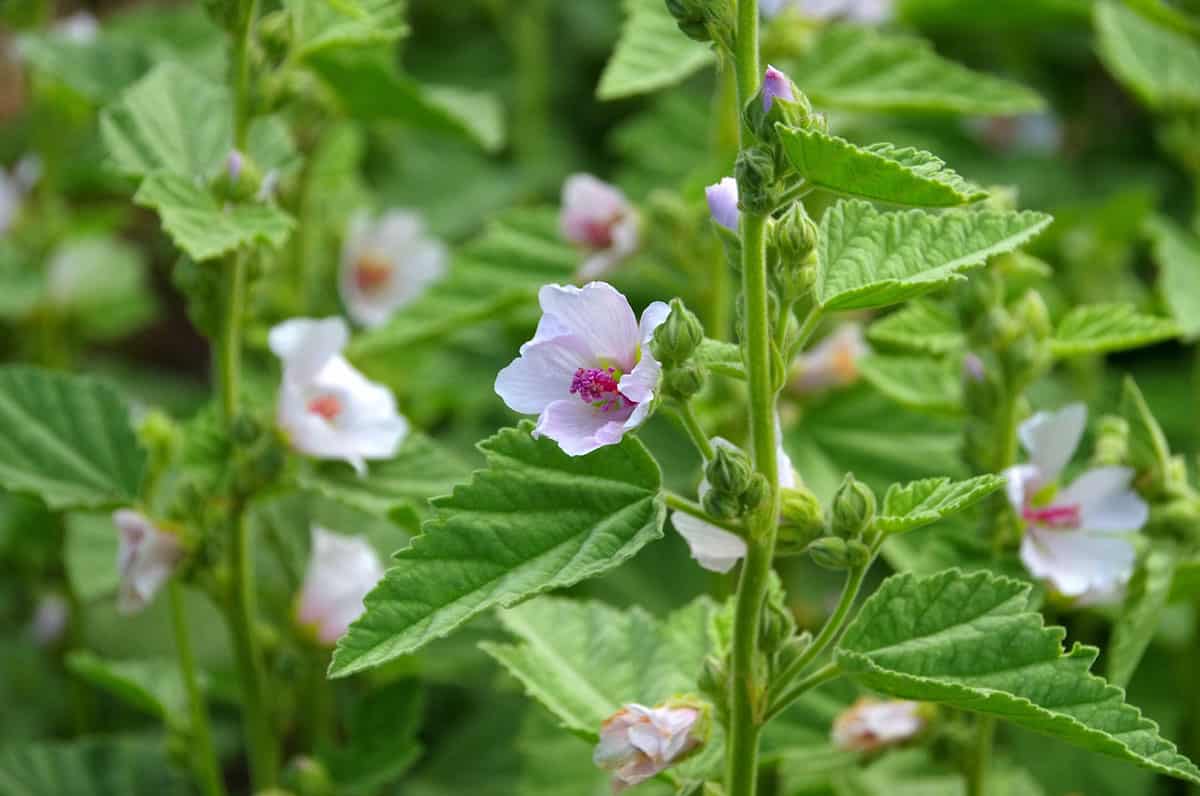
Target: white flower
[79,28]
[50,620]
[146,558]
[870,724]
[588,372]
[833,362]
[1076,537]
[597,217]
[341,571]
[327,408]
[714,548]
[638,742]
[387,264]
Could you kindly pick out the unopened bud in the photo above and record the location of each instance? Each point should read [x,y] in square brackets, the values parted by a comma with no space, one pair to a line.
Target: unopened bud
[796,236]
[689,16]
[722,198]
[756,492]
[801,519]
[778,624]
[240,179]
[714,678]
[1034,316]
[1112,442]
[721,505]
[755,172]
[792,649]
[779,101]
[853,508]
[306,776]
[676,338]
[729,471]
[683,382]
[829,552]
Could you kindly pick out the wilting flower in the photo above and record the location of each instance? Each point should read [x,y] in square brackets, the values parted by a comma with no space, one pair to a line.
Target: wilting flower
[388,263]
[833,362]
[714,548]
[1076,537]
[597,217]
[50,620]
[870,724]
[723,202]
[327,408]
[341,571]
[146,557]
[588,372]
[638,742]
[775,84]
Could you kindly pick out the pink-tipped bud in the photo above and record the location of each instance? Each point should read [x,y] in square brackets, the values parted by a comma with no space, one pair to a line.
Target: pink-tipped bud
[234,165]
[776,84]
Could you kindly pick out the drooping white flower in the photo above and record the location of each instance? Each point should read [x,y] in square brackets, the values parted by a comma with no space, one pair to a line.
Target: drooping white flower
[327,408]
[597,217]
[638,742]
[146,558]
[50,619]
[722,200]
[388,263]
[588,372]
[831,363]
[870,724]
[341,571]
[1076,538]
[714,548]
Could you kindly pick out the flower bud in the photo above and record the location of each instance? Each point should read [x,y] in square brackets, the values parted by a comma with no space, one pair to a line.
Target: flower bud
[689,16]
[792,649]
[779,101]
[306,776]
[729,471]
[756,492]
[677,337]
[853,508]
[637,742]
[778,624]
[721,505]
[794,237]
[1112,442]
[871,724]
[801,519]
[714,679]
[722,198]
[829,552]
[241,178]
[755,172]
[1033,315]
[683,382]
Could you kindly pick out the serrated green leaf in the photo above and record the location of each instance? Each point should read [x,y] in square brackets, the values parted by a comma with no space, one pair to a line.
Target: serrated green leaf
[98,70]
[921,383]
[919,326]
[878,172]
[1101,328]
[534,520]
[1141,611]
[912,505]
[101,767]
[1177,253]
[172,120]
[67,440]
[153,686]
[720,357]
[855,68]
[203,228]
[1160,65]
[651,53]
[871,259]
[972,642]
[325,24]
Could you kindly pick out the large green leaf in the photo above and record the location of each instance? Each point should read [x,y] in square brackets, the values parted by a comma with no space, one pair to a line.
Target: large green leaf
[920,503]
[1100,328]
[855,68]
[651,54]
[206,229]
[171,120]
[879,172]
[972,642]
[1177,253]
[1141,612]
[921,383]
[871,259]
[1160,65]
[66,439]
[102,767]
[535,520]
[920,326]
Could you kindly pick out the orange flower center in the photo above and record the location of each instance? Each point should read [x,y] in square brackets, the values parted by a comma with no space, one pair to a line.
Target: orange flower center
[327,406]
[371,273]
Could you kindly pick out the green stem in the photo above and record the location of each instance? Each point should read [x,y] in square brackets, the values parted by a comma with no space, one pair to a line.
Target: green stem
[829,671]
[804,334]
[680,503]
[981,755]
[533,64]
[687,418]
[205,758]
[229,355]
[798,191]
[242,38]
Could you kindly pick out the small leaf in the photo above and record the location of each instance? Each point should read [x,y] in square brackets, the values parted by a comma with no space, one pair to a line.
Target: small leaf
[919,326]
[1149,450]
[871,259]
[879,172]
[921,383]
[109,766]
[1102,328]
[972,642]
[919,503]
[67,440]
[720,357]
[1177,253]
[1161,66]
[535,520]
[323,24]
[153,686]
[1141,611]
[651,53]
[203,228]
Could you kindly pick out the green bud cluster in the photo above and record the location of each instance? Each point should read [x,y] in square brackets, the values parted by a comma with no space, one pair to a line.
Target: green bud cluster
[853,509]
[793,242]
[674,343]
[801,519]
[735,488]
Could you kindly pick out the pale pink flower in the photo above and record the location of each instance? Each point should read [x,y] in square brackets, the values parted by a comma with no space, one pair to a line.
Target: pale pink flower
[637,742]
[722,200]
[387,264]
[870,724]
[833,362]
[588,372]
[775,84]
[146,558]
[327,408]
[1076,538]
[597,217]
[342,570]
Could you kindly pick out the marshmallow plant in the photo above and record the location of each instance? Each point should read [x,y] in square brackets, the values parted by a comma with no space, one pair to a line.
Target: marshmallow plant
[596,217]
[387,263]
[341,570]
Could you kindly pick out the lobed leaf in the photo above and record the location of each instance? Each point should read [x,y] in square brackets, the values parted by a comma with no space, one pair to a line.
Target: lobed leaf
[651,53]
[1101,328]
[920,383]
[1141,612]
[1158,64]
[919,503]
[972,642]
[534,520]
[1177,253]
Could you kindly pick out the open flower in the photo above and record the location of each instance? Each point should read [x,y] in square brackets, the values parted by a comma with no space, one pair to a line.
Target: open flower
[146,557]
[638,742]
[870,724]
[722,200]
[341,571]
[327,408]
[597,217]
[831,363]
[714,548]
[588,372]
[386,264]
[1076,537]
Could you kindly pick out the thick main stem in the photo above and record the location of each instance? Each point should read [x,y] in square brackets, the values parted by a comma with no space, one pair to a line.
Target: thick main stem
[208,768]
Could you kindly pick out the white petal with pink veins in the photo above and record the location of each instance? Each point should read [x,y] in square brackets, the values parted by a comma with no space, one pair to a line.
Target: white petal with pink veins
[1052,437]
[598,315]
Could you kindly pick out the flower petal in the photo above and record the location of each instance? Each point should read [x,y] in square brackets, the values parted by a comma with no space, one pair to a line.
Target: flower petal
[580,428]
[1076,562]
[1105,500]
[543,372]
[714,549]
[305,345]
[600,316]
[1052,437]
[1020,483]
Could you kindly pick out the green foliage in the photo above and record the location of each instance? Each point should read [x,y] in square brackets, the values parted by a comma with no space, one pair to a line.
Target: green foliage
[1101,328]
[1160,65]
[651,54]
[331,24]
[1141,612]
[90,555]
[878,172]
[535,520]
[972,642]
[919,383]
[720,357]
[67,440]
[1177,253]
[153,686]
[920,503]
[918,326]
[382,739]
[101,767]
[872,259]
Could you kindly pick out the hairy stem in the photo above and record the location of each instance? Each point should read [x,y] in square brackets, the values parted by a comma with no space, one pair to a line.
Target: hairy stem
[208,768]
[242,37]
[687,418]
[694,509]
